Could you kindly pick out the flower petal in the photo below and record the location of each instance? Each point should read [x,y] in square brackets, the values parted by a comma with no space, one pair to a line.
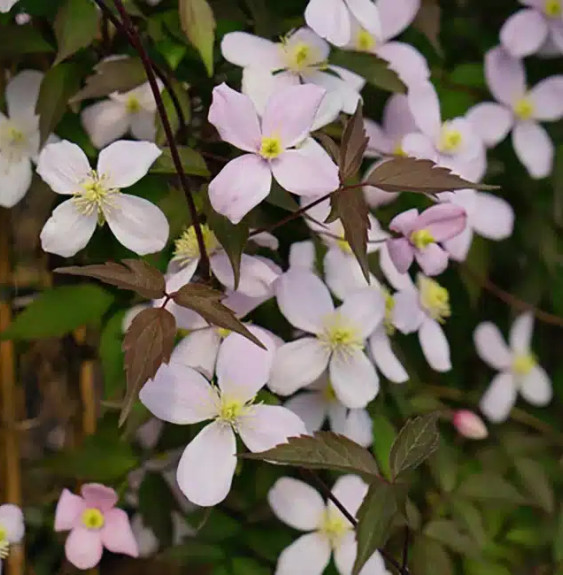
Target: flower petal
[343,273]
[302,255]
[434,345]
[420,146]
[11,519]
[243,368]
[401,253]
[117,535]
[364,309]
[547,99]
[384,357]
[458,247]
[15,180]
[83,547]
[524,33]
[22,92]
[491,121]
[207,466]
[355,424]
[199,350]
[266,426]
[309,554]
[397,118]
[520,337]
[143,126]
[396,15]
[443,221]
[297,364]
[105,122]
[505,76]
[303,299]
[405,222]
[425,108]
[243,49]
[240,186]
[367,14]
[536,387]
[63,166]
[409,64]
[407,314]
[297,504]
[354,379]
[433,260]
[379,142]
[350,490]
[259,85]
[493,217]
[534,148]
[490,346]
[69,509]
[124,163]
[235,118]
[179,394]
[98,495]
[67,231]
[330,19]
[311,407]
[498,400]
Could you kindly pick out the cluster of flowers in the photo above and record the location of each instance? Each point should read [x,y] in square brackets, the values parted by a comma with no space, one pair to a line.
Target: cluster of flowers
[288,91]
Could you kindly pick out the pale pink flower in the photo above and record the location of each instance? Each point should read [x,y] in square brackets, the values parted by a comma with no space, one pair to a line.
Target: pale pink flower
[453,144]
[6,5]
[518,367]
[279,145]
[94,522]
[335,20]
[519,109]
[469,424]
[12,529]
[179,394]
[327,531]
[421,235]
[337,341]
[529,30]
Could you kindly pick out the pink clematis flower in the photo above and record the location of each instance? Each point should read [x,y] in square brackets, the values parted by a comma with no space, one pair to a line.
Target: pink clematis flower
[453,144]
[520,110]
[529,30]
[421,234]
[278,145]
[335,20]
[94,523]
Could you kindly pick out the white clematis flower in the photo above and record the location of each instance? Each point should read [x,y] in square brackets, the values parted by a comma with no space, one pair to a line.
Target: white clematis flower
[181,395]
[12,529]
[518,367]
[133,111]
[6,5]
[338,339]
[423,308]
[97,198]
[19,137]
[327,531]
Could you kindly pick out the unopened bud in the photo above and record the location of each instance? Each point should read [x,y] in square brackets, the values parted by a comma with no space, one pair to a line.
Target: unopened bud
[469,424]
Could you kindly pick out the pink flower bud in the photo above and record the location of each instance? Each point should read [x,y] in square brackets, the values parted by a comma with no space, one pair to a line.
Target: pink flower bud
[469,424]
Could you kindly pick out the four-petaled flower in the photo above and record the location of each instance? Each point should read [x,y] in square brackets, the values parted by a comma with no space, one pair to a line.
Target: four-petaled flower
[12,529]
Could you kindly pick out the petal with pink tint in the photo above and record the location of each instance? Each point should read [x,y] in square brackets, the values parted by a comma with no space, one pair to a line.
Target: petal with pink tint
[330,19]
[367,14]
[407,314]
[491,121]
[350,490]
[384,357]
[409,64]
[12,521]
[556,35]
[425,108]
[396,15]
[443,221]
[336,87]
[99,496]
[536,387]
[419,146]
[240,186]
[198,350]
[524,32]
[354,379]
[243,49]
[117,535]
[405,222]
[547,99]
[310,552]
[433,260]
[69,510]
[520,337]
[311,407]
[491,347]
[259,85]
[458,247]
[534,148]
[499,398]
[105,122]
[83,548]
[397,118]
[469,424]
[379,143]
[506,76]
[493,217]
[435,346]
[235,118]
[401,252]
[364,309]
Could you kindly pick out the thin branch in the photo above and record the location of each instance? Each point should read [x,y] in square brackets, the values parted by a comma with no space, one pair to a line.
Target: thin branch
[136,42]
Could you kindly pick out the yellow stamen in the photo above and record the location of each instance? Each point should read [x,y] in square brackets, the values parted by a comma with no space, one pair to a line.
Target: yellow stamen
[553,8]
[344,246]
[222,332]
[334,526]
[434,298]
[231,409]
[329,394]
[301,57]
[340,335]
[133,106]
[94,196]
[450,140]
[186,247]
[523,363]
[271,147]
[365,42]
[389,307]
[4,543]
[93,518]
[398,151]
[421,239]
[524,108]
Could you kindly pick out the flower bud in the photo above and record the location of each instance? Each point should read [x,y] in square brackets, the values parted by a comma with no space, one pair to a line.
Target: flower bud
[469,424]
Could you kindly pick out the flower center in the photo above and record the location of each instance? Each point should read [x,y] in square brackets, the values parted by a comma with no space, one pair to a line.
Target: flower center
[4,543]
[340,336]
[434,298]
[398,150]
[421,239]
[450,140]
[186,247]
[133,106]
[222,332]
[333,527]
[13,142]
[344,245]
[365,42]
[523,363]
[300,56]
[229,409]
[524,108]
[94,196]
[389,307]
[553,8]
[271,147]
[93,518]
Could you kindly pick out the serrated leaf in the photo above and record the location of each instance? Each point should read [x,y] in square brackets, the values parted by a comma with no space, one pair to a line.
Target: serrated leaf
[192,162]
[448,533]
[323,450]
[76,26]
[536,482]
[384,435]
[148,344]
[416,441]
[58,85]
[207,303]
[119,75]
[430,558]
[374,69]
[19,40]
[58,311]
[489,486]
[198,23]
[353,145]
[330,146]
[352,209]
[375,517]
[405,174]
[135,275]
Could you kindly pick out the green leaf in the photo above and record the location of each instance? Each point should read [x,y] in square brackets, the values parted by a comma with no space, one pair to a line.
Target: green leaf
[472,567]
[489,486]
[416,441]
[470,516]
[58,85]
[111,357]
[195,553]
[323,450]
[374,69]
[478,261]
[448,533]
[58,311]
[537,483]
[192,162]
[384,434]
[76,26]
[156,502]
[19,40]
[375,517]
[430,558]
[247,566]
[558,540]
[183,99]
[198,23]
